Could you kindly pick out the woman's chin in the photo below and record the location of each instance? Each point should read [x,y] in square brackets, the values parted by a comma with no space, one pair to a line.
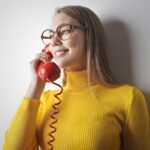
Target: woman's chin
[61,65]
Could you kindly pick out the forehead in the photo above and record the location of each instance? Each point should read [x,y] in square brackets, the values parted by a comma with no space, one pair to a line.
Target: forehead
[62,18]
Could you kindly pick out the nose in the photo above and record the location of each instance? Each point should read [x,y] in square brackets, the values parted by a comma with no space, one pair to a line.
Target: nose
[56,40]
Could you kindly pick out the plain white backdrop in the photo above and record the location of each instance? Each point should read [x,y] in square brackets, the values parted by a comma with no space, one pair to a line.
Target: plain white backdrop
[21,22]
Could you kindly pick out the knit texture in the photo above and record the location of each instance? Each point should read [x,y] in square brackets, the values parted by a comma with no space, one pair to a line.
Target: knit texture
[99,118]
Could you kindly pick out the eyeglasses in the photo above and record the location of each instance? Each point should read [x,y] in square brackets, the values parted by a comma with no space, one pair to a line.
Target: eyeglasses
[64,32]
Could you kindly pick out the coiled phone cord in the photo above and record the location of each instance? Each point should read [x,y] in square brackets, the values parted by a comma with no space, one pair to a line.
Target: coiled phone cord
[51,125]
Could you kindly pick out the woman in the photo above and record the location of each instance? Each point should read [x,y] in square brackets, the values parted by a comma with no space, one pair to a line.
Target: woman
[96,112]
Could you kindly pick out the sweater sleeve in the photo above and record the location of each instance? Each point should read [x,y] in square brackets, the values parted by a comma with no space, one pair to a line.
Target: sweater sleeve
[21,135]
[136,134]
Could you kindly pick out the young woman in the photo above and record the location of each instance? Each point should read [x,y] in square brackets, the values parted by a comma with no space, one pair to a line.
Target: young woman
[96,113]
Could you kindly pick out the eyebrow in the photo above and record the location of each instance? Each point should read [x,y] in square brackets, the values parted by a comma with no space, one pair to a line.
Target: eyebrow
[64,24]
[58,26]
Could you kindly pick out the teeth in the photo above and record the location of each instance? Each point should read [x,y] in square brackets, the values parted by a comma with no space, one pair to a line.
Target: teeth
[59,53]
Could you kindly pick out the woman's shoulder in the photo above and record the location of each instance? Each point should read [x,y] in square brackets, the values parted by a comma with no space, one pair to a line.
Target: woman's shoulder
[127,90]
[123,93]
[128,94]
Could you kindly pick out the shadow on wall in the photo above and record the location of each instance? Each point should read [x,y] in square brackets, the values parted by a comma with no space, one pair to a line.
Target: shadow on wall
[119,50]
[120,53]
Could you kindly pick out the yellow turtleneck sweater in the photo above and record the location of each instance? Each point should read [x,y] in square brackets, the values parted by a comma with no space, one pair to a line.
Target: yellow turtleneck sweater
[113,119]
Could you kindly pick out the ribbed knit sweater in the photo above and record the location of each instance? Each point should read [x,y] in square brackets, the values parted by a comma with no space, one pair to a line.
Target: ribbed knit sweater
[111,118]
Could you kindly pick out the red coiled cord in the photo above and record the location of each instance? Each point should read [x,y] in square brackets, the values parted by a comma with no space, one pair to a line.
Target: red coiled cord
[53,117]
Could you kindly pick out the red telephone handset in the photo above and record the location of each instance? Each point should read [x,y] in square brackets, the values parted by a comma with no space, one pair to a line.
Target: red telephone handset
[48,71]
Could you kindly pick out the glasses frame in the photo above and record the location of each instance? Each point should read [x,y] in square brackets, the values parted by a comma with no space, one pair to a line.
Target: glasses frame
[72,27]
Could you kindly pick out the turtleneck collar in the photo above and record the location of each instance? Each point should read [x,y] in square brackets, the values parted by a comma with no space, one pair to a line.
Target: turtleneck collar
[77,82]
[76,79]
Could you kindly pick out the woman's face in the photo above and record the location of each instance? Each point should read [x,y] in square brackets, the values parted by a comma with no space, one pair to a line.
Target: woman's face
[70,53]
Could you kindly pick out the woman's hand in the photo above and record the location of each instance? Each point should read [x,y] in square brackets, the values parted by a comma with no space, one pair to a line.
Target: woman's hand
[44,57]
[36,85]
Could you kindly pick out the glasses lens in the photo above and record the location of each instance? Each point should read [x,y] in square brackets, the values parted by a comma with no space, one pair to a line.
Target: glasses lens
[47,36]
[65,32]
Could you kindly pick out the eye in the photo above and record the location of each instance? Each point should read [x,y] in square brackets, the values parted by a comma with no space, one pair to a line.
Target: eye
[51,35]
[64,32]
[48,34]
[67,31]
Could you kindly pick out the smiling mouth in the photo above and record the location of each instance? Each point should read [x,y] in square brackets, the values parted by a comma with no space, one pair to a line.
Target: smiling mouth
[60,52]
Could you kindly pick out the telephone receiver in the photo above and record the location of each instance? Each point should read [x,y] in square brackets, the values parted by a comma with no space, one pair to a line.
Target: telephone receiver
[48,71]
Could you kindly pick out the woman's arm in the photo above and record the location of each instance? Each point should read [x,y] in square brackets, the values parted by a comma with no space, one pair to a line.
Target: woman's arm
[21,135]
[136,132]
[36,85]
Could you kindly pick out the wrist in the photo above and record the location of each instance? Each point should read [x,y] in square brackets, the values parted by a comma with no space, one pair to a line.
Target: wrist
[35,88]
[37,81]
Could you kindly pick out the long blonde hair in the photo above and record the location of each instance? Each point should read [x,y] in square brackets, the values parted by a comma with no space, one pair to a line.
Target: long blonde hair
[95,43]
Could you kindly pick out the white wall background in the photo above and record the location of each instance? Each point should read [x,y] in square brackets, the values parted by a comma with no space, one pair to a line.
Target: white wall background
[21,23]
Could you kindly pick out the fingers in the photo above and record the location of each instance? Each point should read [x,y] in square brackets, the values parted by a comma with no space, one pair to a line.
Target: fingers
[38,58]
[43,57]
[35,62]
